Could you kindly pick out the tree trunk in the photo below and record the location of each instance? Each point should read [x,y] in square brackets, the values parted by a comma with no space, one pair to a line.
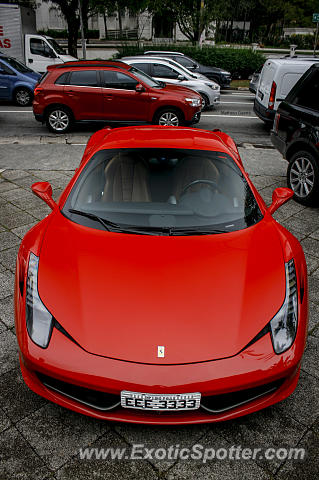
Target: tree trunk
[120,21]
[73,28]
[105,25]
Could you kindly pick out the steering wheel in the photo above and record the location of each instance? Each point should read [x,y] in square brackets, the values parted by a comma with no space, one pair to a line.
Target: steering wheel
[211,183]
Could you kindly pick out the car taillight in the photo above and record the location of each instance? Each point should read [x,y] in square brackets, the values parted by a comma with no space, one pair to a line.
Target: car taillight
[37,91]
[276,122]
[272,96]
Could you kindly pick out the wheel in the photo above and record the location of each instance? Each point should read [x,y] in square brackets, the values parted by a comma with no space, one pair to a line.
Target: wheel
[303,178]
[205,101]
[59,120]
[23,97]
[169,116]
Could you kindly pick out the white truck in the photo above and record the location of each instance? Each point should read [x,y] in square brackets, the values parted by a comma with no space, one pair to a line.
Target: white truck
[19,40]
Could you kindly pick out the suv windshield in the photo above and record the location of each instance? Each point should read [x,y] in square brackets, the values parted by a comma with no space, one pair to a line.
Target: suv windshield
[143,77]
[17,65]
[174,191]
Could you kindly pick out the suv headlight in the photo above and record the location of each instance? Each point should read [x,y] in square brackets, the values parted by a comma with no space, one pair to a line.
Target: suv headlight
[283,326]
[213,86]
[39,321]
[195,102]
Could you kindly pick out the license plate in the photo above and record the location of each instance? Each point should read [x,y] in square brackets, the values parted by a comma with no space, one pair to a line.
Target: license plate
[150,401]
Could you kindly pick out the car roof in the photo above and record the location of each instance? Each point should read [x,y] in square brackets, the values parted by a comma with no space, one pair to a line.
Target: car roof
[165,52]
[163,137]
[90,63]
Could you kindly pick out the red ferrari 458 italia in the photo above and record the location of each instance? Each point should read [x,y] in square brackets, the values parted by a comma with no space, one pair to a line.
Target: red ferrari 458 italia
[160,289]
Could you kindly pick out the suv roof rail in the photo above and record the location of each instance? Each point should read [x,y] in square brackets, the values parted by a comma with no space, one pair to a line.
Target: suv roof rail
[90,63]
[166,52]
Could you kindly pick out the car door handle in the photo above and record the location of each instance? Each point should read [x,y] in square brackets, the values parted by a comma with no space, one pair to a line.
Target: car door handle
[69,91]
[108,95]
[30,60]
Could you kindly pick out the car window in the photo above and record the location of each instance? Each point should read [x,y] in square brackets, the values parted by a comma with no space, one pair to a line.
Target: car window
[84,78]
[6,69]
[39,47]
[144,67]
[308,94]
[164,188]
[163,71]
[62,79]
[20,67]
[118,80]
[186,62]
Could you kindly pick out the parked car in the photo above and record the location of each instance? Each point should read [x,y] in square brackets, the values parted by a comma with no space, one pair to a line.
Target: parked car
[218,75]
[171,72]
[122,293]
[277,78]
[295,134]
[113,91]
[17,81]
[253,84]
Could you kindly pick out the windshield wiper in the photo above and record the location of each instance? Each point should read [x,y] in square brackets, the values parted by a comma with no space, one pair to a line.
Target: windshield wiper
[111,226]
[196,231]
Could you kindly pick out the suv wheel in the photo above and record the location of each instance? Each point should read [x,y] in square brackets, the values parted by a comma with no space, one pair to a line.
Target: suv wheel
[205,101]
[23,97]
[59,120]
[169,116]
[303,178]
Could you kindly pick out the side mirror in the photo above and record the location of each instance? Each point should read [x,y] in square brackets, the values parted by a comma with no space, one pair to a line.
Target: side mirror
[139,88]
[180,77]
[279,197]
[43,190]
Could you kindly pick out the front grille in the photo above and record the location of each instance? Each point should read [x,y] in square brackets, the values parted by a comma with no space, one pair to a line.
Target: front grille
[105,401]
[227,401]
[92,398]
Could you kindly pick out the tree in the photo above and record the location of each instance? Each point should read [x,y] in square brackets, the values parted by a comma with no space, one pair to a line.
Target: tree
[192,16]
[69,9]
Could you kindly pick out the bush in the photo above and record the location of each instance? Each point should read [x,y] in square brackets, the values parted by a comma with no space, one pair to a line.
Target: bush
[241,62]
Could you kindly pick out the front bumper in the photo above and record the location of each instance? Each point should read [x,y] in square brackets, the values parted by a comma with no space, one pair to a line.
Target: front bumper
[254,368]
[195,119]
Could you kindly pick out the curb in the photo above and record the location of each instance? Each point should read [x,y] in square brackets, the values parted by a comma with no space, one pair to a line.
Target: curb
[44,140]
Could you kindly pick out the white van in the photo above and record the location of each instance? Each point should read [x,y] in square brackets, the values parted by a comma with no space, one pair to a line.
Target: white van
[277,78]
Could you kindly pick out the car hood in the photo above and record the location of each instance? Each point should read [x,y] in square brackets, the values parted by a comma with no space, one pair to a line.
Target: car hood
[123,295]
[179,89]
[205,69]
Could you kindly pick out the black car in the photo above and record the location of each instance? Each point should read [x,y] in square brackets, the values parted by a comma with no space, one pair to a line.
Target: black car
[218,75]
[295,134]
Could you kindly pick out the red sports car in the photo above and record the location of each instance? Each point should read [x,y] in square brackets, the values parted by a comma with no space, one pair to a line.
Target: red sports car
[160,289]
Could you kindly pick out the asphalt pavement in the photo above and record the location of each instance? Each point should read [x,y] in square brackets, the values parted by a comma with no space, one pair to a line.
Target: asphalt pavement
[234,115]
[40,440]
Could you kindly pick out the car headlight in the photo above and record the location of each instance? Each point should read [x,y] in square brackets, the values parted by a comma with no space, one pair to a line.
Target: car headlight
[39,321]
[213,86]
[225,73]
[283,326]
[195,102]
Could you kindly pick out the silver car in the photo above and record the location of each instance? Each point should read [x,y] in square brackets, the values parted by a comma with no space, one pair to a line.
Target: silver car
[169,71]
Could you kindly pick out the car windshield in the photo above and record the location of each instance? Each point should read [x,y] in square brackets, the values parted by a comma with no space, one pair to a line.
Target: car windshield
[56,46]
[174,191]
[17,65]
[143,77]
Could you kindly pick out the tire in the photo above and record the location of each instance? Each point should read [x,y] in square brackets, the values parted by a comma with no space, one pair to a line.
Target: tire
[169,116]
[59,120]
[303,178]
[205,104]
[23,97]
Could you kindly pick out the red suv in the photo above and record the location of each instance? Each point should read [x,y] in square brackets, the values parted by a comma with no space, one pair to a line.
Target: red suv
[114,91]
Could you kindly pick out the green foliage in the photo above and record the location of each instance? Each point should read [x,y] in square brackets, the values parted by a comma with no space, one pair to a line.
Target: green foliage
[241,62]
